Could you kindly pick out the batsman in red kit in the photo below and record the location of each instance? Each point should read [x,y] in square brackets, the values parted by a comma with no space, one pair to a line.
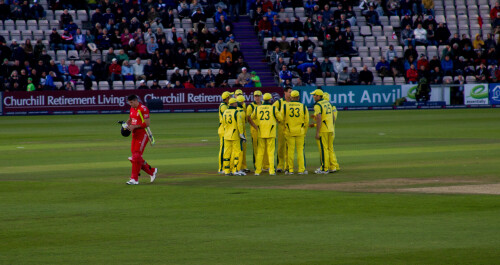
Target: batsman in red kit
[137,124]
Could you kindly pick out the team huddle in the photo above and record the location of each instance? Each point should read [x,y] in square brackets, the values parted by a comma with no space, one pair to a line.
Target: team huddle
[287,119]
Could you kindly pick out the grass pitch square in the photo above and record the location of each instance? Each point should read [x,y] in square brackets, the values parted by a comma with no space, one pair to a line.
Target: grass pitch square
[415,187]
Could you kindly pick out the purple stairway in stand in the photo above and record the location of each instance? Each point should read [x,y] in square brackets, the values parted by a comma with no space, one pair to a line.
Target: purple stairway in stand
[252,50]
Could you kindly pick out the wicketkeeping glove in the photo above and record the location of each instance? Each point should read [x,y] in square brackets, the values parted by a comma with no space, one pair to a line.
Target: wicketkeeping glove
[242,136]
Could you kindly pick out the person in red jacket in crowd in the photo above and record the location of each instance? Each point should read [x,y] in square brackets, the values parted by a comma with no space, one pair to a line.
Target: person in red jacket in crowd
[264,28]
[494,11]
[423,62]
[115,70]
[412,74]
[74,71]
[141,49]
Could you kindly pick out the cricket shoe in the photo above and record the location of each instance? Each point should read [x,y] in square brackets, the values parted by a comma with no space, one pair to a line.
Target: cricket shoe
[319,171]
[256,174]
[220,172]
[279,170]
[240,173]
[246,170]
[132,182]
[303,173]
[286,172]
[272,174]
[153,177]
[228,174]
[332,170]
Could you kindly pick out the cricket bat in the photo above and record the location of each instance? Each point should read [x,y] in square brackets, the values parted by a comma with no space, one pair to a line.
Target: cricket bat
[148,131]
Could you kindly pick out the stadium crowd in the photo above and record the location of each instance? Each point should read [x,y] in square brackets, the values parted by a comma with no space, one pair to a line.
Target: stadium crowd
[318,40]
[139,42]
[326,28]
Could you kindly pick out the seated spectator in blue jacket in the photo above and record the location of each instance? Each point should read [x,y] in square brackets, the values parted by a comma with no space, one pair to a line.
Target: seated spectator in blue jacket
[285,74]
[300,56]
[383,67]
[447,65]
[219,13]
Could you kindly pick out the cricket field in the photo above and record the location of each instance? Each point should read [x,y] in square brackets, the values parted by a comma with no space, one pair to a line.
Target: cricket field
[415,187]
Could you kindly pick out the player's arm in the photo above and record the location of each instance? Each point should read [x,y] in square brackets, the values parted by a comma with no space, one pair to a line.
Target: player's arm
[252,123]
[318,125]
[278,116]
[306,117]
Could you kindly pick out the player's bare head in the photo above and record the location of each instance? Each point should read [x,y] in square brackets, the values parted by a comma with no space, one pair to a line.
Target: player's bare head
[133,101]
[287,90]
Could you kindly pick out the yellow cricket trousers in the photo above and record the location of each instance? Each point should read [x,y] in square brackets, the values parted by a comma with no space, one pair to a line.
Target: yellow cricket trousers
[325,138]
[255,145]
[221,153]
[281,147]
[296,142]
[331,154]
[265,144]
[232,148]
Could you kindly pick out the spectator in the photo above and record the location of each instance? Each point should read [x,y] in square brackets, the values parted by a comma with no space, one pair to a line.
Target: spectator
[142,85]
[436,76]
[343,77]
[85,67]
[127,71]
[74,71]
[420,35]
[300,56]
[431,37]
[30,86]
[397,68]
[329,46]
[287,28]
[88,78]
[298,27]
[372,17]
[65,18]
[264,28]
[176,76]
[224,55]
[327,68]
[354,76]
[383,67]
[494,11]
[49,81]
[199,79]
[406,20]
[423,62]
[244,77]
[338,65]
[309,77]
[138,69]
[482,74]
[255,79]
[55,40]
[152,46]
[428,6]
[221,79]
[115,71]
[407,36]
[412,75]
[366,76]
[67,41]
[478,42]
[447,65]
[442,34]
[155,85]
[99,70]
[391,53]
[285,74]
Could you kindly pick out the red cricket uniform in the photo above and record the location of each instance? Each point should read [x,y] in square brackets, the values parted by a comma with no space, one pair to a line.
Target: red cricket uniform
[139,141]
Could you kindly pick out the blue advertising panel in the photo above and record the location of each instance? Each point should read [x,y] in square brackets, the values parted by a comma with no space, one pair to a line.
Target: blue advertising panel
[495,94]
[354,96]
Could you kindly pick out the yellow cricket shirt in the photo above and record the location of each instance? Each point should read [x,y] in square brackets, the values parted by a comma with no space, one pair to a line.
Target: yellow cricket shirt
[267,115]
[233,124]
[296,117]
[324,108]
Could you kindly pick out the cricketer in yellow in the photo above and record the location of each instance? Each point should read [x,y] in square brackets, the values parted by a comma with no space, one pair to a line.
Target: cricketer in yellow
[268,116]
[323,113]
[281,131]
[233,135]
[222,107]
[242,165]
[334,165]
[257,96]
[296,121]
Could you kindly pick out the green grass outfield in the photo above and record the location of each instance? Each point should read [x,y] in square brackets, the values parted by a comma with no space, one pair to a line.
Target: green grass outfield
[63,198]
